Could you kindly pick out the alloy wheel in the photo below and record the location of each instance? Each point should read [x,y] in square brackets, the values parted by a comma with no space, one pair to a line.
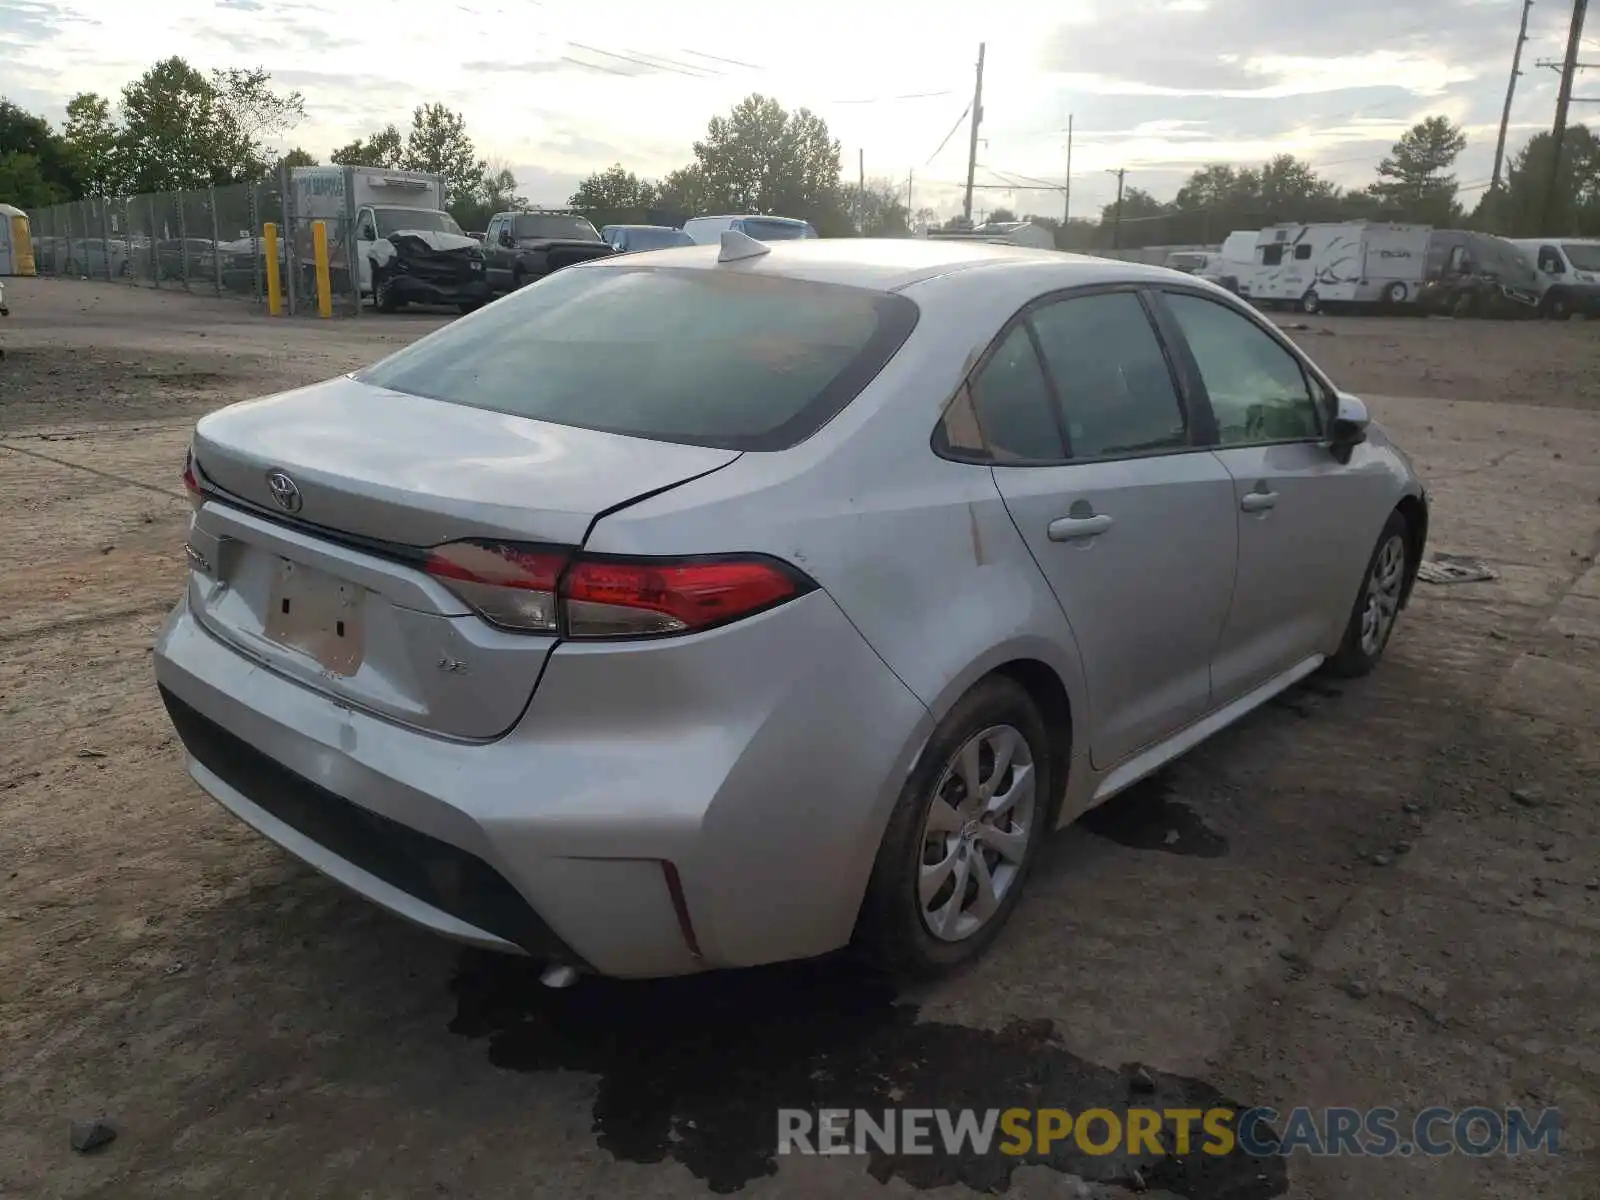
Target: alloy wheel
[1384,585]
[975,837]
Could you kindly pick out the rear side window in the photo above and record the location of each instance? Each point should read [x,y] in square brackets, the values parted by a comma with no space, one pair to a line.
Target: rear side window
[1014,405]
[701,357]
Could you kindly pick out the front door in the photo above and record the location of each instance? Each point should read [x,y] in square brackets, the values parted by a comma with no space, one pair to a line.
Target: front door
[1127,514]
[366,238]
[1305,520]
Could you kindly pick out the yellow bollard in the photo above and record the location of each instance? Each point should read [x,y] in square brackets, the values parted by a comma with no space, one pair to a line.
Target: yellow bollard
[319,247]
[269,236]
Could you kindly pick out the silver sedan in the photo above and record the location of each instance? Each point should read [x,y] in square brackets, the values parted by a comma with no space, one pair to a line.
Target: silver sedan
[718,606]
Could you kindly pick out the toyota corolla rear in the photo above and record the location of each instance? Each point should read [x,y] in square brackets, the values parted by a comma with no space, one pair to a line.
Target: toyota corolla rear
[396,659]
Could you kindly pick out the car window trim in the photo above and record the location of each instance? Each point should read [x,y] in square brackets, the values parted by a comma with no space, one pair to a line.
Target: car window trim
[1181,385]
[1313,378]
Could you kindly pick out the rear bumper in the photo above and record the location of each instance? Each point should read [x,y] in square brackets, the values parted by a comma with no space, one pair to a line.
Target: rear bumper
[662,808]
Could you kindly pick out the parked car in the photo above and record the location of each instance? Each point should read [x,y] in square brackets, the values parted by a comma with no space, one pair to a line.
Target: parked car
[1469,274]
[698,609]
[523,246]
[707,230]
[628,239]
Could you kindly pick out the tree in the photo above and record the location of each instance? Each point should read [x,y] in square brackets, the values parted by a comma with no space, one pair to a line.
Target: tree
[1414,178]
[95,143]
[880,212]
[183,129]
[386,148]
[22,182]
[1002,214]
[438,143]
[614,189]
[23,133]
[251,109]
[298,158]
[760,158]
[684,191]
[1517,209]
[925,218]
[496,192]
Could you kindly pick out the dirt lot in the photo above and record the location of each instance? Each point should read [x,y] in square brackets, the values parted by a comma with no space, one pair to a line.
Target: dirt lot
[1384,893]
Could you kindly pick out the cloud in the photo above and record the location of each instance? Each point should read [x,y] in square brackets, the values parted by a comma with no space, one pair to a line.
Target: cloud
[30,22]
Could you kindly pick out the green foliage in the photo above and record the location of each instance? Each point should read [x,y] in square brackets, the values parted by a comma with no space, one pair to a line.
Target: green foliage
[43,168]
[1414,180]
[438,143]
[614,188]
[1517,209]
[385,148]
[23,183]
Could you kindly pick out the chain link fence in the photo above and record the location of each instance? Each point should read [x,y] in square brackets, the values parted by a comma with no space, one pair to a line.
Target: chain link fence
[206,241]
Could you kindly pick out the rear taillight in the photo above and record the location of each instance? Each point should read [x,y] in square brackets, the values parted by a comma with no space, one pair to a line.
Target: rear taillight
[538,589]
[191,480]
[511,586]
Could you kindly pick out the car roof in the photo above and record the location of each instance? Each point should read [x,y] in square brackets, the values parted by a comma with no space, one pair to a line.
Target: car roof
[886,264]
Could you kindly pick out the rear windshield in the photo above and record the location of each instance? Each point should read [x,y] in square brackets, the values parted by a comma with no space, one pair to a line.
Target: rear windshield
[776,231]
[656,239]
[702,357]
[554,225]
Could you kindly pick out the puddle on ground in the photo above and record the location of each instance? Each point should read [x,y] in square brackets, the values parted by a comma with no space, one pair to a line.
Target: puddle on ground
[696,1069]
[1145,817]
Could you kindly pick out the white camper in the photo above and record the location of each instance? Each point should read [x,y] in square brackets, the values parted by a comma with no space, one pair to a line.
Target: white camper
[1234,261]
[1311,267]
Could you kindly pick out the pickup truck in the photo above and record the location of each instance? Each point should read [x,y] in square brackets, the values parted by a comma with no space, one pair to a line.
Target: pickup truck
[523,246]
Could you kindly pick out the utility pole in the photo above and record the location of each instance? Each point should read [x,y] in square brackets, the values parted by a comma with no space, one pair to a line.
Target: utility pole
[861,194]
[1553,208]
[1066,191]
[910,176]
[972,149]
[1116,220]
[1511,91]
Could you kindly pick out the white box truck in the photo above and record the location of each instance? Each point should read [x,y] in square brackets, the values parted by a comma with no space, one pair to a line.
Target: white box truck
[1346,263]
[406,248]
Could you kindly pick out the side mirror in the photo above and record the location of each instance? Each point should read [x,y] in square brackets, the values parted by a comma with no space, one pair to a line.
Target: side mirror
[1350,421]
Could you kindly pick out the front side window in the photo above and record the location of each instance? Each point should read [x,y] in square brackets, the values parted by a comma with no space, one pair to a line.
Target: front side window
[1584,256]
[775,231]
[1258,391]
[1015,408]
[1113,379]
[1550,261]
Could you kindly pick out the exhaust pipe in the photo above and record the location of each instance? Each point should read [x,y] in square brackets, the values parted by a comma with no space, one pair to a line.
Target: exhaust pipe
[559,975]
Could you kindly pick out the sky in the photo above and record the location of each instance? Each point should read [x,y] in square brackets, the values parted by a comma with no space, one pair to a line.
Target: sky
[556,90]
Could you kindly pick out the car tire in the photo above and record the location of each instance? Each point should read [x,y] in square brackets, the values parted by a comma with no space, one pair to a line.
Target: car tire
[1557,306]
[1394,294]
[897,926]
[1378,601]
[1311,303]
[518,279]
[383,296]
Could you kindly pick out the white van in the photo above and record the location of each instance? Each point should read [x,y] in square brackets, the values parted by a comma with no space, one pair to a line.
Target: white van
[1568,271]
[709,230]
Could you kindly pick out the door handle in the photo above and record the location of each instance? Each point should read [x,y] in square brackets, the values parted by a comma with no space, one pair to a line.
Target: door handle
[1258,501]
[1068,529]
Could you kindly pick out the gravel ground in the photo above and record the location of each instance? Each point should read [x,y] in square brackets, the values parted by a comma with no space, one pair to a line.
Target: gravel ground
[1378,893]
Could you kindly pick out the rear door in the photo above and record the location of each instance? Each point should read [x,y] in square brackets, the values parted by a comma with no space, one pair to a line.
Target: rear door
[1127,514]
[1305,521]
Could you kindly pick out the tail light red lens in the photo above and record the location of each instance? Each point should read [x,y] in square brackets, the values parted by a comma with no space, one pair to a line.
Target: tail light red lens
[510,585]
[545,590]
[191,479]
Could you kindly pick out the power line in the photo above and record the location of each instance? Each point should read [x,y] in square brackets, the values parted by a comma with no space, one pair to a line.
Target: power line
[949,135]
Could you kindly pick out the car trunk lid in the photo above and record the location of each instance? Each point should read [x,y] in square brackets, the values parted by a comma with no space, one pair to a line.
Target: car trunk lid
[307,551]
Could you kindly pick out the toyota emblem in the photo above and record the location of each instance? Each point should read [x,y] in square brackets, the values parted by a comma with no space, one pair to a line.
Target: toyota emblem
[285,492]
